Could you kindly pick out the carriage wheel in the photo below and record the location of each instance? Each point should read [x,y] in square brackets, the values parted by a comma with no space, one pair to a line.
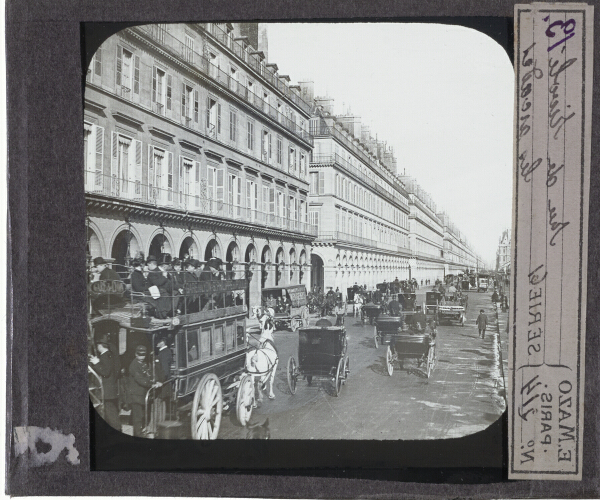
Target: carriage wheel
[376,337]
[207,408]
[338,377]
[346,369]
[245,398]
[389,359]
[430,360]
[292,376]
[304,316]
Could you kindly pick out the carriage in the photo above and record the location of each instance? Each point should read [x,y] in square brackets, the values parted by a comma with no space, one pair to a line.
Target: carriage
[208,346]
[322,352]
[290,304]
[409,345]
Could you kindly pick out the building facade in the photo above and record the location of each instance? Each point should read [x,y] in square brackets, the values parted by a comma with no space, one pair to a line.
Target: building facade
[503,252]
[359,206]
[458,253]
[196,146]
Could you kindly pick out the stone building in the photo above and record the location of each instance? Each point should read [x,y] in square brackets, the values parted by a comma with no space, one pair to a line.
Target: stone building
[503,252]
[359,206]
[458,253]
[196,146]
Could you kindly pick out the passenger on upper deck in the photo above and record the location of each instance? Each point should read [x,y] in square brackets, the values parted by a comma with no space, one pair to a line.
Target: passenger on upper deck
[159,277]
[106,273]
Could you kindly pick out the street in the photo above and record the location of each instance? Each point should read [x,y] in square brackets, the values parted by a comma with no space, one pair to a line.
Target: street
[464,395]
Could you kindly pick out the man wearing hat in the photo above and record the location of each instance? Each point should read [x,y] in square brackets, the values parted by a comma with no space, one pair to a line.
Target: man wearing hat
[159,277]
[140,380]
[106,273]
[107,365]
[481,321]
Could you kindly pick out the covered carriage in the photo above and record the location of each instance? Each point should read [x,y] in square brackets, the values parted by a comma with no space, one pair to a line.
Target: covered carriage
[290,304]
[322,352]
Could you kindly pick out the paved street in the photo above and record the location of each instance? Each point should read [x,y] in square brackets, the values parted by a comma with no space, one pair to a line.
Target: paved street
[464,394]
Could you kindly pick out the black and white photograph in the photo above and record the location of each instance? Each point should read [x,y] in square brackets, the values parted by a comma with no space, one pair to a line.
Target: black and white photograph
[298,230]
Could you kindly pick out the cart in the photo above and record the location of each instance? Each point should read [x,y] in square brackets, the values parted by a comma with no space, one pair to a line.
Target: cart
[290,304]
[432,301]
[370,311]
[321,353]
[409,345]
[387,327]
[208,348]
[449,313]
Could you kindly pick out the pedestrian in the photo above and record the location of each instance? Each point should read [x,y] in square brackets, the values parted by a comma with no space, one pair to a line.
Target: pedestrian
[106,364]
[339,311]
[482,322]
[358,302]
[495,297]
[140,380]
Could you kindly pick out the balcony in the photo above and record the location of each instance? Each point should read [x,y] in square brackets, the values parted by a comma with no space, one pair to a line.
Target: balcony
[338,236]
[135,191]
[320,130]
[200,63]
[347,166]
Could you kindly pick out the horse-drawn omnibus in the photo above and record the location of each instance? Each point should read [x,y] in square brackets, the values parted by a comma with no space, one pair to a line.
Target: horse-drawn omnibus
[207,343]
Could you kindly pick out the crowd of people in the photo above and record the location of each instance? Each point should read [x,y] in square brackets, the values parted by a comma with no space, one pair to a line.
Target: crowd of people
[159,284]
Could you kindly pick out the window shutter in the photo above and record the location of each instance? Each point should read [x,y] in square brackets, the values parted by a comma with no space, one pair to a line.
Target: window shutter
[270,146]
[99,158]
[169,176]
[138,169]
[321,182]
[197,184]
[136,75]
[183,113]
[218,118]
[114,166]
[196,107]
[207,113]
[180,180]
[154,84]
[220,184]
[98,62]
[151,173]
[119,64]
[169,91]
[271,200]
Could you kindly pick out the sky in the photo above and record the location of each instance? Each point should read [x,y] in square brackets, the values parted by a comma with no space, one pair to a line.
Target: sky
[441,96]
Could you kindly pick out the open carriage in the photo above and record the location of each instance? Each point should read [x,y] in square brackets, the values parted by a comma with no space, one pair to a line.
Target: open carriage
[207,347]
[321,353]
[410,345]
[290,304]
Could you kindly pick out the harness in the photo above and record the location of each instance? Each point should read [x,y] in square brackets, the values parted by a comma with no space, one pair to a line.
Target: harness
[270,366]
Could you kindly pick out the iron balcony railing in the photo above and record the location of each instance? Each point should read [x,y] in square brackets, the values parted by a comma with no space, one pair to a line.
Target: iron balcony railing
[318,129]
[226,39]
[333,236]
[325,159]
[200,204]
[177,48]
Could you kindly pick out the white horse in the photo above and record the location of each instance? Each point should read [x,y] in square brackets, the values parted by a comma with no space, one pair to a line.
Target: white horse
[262,360]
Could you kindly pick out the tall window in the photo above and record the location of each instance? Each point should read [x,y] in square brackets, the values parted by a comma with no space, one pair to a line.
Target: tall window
[160,175]
[189,104]
[127,73]
[232,125]
[314,182]
[266,146]
[251,199]
[313,218]
[292,160]
[213,117]
[189,49]
[185,172]
[93,144]
[233,79]
[161,90]
[250,135]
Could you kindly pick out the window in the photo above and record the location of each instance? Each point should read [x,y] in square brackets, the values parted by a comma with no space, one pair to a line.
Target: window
[185,172]
[266,146]
[250,135]
[126,166]
[302,164]
[128,73]
[213,117]
[314,182]
[251,199]
[292,160]
[161,90]
[279,150]
[233,79]
[321,182]
[313,218]
[95,67]
[189,104]
[93,150]
[189,49]
[232,125]
[234,195]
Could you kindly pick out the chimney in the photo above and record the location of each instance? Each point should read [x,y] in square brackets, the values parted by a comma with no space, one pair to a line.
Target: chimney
[307,91]
[251,31]
[326,103]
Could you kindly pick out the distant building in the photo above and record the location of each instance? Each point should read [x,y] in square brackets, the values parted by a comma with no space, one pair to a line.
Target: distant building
[503,252]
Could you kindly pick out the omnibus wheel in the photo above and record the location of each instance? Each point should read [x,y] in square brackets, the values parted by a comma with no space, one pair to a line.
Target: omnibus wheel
[207,408]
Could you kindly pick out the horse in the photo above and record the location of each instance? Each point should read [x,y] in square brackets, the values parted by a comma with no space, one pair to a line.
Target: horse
[261,361]
[258,431]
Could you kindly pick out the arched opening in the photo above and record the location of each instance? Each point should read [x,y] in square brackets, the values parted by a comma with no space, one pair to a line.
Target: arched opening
[293,265]
[252,275]
[189,249]
[93,248]
[302,267]
[124,249]
[279,266]
[159,246]
[232,259]
[212,250]
[317,277]
[265,259]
